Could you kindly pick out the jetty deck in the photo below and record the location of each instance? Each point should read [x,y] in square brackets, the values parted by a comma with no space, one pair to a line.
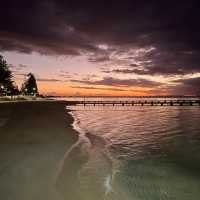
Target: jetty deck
[172,102]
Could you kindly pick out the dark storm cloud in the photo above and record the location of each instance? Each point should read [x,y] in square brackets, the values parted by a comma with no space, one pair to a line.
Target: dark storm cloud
[126,71]
[110,81]
[18,70]
[156,62]
[97,88]
[39,26]
[64,74]
[18,67]
[48,80]
[163,62]
[97,59]
[195,82]
[185,86]
[74,27]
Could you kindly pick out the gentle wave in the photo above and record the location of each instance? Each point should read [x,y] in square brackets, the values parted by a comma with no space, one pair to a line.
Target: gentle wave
[98,146]
[136,153]
[97,171]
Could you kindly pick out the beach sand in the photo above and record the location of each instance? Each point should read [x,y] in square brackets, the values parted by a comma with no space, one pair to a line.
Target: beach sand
[34,138]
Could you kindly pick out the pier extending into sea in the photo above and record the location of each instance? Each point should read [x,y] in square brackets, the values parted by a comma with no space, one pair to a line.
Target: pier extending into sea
[150,102]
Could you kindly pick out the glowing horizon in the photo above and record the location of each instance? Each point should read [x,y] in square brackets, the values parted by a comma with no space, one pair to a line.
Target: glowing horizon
[75,76]
[81,50]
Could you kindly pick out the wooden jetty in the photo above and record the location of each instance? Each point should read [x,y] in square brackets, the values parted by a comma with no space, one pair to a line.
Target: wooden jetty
[171,102]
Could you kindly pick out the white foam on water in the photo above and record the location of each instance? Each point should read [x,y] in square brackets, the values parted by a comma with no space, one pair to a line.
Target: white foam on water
[83,139]
[82,134]
[108,184]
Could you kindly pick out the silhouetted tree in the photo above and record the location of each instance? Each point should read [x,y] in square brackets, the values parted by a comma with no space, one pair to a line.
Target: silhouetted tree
[7,86]
[29,87]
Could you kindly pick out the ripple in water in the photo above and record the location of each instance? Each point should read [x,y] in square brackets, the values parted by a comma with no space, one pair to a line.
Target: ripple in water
[138,152]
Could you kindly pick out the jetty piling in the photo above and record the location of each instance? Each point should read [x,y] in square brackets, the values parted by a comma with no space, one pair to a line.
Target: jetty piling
[170,102]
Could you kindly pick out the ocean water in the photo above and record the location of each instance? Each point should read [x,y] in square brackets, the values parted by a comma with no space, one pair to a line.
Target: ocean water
[134,153]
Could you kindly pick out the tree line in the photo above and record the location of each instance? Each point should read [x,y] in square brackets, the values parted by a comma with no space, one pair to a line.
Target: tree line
[8,86]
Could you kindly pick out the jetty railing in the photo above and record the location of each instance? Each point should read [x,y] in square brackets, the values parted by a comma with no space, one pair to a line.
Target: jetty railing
[175,102]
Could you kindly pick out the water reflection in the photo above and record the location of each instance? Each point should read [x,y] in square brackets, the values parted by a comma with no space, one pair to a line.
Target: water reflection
[135,153]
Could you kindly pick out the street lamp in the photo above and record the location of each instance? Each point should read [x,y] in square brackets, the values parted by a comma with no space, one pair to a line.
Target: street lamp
[34,91]
[2,89]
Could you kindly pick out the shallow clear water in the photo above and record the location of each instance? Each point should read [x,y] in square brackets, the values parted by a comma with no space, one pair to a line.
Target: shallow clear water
[137,152]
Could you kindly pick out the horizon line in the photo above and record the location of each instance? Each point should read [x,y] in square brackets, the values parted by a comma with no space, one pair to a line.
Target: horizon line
[142,96]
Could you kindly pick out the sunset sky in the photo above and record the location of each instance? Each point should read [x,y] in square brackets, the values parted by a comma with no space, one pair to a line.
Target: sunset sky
[133,47]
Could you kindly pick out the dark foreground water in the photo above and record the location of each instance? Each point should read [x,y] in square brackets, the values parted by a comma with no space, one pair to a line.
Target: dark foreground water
[135,153]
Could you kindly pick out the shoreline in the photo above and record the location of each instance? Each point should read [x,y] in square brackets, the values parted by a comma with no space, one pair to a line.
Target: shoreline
[35,135]
[9,99]
[88,150]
